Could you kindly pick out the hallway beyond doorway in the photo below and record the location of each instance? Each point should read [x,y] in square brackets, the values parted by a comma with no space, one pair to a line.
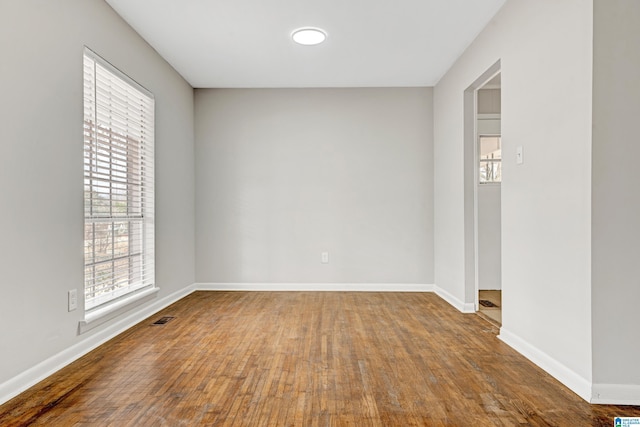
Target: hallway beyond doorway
[492,313]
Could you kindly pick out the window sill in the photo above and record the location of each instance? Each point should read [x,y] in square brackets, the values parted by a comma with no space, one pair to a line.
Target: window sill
[111,311]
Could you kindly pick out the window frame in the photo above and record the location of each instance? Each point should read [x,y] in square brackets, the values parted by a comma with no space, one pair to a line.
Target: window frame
[130,156]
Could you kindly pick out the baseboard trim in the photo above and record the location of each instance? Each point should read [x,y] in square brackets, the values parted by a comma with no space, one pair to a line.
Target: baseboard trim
[616,394]
[21,382]
[559,371]
[464,307]
[335,287]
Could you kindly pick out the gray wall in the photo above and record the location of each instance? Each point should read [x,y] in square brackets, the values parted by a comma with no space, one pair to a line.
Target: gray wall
[489,101]
[41,168]
[283,175]
[489,237]
[489,206]
[545,51]
[615,195]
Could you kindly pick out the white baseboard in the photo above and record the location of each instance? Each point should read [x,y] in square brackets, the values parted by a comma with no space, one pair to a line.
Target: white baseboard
[616,394]
[21,382]
[336,287]
[464,307]
[566,376]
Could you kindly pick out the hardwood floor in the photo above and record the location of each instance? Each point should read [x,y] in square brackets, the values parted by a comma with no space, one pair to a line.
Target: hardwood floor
[306,359]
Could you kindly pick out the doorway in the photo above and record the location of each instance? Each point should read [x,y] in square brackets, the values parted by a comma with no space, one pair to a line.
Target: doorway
[482,125]
[488,191]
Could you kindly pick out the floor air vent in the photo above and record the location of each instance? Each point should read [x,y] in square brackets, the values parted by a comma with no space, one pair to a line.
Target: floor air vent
[487,303]
[163,320]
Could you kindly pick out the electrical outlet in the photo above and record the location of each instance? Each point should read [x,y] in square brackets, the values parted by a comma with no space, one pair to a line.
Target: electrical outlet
[73,299]
[324,257]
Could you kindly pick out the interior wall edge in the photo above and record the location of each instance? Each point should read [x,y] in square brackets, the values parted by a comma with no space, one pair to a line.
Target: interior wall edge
[458,304]
[575,382]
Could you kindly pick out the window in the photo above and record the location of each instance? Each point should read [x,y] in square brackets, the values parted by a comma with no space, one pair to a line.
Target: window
[118,184]
[490,159]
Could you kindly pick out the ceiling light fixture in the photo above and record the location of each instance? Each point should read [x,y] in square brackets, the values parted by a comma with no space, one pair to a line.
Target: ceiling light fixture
[309,36]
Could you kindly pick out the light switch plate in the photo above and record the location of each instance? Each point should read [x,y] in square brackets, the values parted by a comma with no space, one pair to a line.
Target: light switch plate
[519,155]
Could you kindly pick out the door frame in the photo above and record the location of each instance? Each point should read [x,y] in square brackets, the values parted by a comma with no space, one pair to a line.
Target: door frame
[471,185]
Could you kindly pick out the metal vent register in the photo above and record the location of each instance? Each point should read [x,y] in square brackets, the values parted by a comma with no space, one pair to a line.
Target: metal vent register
[163,320]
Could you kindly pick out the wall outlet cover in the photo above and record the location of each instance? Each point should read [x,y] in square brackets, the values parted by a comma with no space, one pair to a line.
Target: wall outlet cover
[72,299]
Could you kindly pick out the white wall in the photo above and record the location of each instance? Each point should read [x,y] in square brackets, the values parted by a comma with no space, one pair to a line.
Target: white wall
[616,201]
[283,175]
[546,58]
[41,169]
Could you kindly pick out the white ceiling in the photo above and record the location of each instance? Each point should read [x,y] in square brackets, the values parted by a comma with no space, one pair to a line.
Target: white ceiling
[247,43]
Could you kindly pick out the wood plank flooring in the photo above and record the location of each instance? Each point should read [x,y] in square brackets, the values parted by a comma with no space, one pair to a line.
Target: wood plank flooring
[306,359]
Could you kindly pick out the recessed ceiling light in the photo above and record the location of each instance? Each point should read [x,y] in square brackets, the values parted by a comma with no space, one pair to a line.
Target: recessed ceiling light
[309,36]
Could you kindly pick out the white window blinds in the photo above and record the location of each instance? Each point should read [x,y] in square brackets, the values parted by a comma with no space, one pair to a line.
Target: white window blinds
[118,184]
